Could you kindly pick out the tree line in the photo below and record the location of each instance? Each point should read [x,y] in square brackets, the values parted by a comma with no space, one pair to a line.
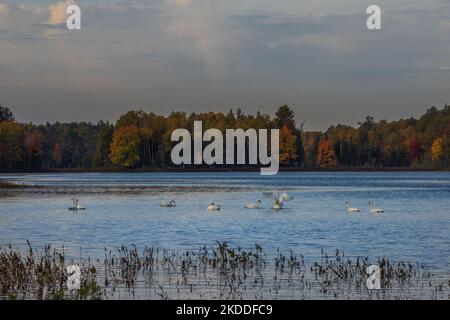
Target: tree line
[143,140]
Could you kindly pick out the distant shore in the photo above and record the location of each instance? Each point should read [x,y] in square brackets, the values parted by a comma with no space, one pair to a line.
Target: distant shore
[219,169]
[5,185]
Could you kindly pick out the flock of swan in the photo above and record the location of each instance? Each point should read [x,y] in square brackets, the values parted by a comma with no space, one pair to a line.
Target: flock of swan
[351,209]
[278,200]
[278,203]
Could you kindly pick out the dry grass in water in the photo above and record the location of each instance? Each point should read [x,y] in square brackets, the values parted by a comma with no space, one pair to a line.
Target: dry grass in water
[220,272]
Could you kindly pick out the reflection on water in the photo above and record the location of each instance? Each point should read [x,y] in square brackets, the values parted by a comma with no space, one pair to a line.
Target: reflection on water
[123,208]
[220,272]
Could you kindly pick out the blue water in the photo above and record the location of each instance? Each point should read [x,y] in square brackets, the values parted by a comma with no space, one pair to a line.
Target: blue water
[123,208]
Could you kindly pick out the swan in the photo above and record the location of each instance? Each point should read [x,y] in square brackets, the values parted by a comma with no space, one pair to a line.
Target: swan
[350,209]
[75,206]
[170,204]
[213,207]
[256,205]
[374,210]
[278,199]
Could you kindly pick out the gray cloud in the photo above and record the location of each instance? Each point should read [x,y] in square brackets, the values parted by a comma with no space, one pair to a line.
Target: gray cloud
[196,55]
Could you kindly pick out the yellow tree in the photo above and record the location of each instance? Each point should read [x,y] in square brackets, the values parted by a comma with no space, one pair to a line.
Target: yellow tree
[125,145]
[437,149]
[326,157]
[288,145]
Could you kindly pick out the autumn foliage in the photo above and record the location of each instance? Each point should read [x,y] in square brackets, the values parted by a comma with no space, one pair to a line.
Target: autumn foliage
[437,149]
[125,147]
[142,140]
[288,148]
[326,157]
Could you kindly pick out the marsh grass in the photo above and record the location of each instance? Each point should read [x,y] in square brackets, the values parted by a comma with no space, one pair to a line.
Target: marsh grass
[219,272]
[42,275]
[8,185]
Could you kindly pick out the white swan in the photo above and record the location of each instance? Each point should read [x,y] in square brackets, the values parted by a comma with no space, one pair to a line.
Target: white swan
[213,207]
[374,210]
[256,205]
[278,199]
[75,206]
[351,209]
[170,204]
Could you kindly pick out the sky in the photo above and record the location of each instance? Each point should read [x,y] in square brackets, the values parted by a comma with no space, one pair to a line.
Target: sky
[317,56]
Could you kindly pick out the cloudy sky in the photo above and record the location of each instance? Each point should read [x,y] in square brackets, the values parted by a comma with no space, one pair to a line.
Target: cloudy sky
[200,55]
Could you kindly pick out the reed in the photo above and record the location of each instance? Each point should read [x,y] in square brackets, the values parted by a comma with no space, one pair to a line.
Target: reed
[219,272]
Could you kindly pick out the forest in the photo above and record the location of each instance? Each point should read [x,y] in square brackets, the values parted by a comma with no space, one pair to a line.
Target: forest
[141,140]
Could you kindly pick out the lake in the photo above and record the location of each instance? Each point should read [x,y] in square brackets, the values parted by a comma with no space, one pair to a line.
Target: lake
[123,208]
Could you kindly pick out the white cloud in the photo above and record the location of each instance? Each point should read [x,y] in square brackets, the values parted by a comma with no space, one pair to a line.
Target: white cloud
[4,18]
[200,26]
[57,12]
[3,8]
[182,2]
[33,9]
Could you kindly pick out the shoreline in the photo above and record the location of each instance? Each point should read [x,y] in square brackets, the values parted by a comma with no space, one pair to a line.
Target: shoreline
[10,185]
[220,170]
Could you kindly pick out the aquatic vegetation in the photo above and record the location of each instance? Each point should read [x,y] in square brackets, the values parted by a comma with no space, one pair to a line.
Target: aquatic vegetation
[220,272]
[42,275]
[9,185]
[5,184]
